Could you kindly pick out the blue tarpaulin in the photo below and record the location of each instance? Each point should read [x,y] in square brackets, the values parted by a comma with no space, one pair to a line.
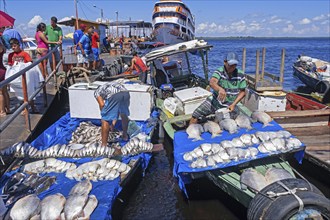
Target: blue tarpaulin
[105,191]
[183,144]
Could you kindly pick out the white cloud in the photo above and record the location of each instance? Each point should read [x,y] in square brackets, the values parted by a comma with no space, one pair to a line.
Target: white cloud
[305,21]
[35,21]
[288,29]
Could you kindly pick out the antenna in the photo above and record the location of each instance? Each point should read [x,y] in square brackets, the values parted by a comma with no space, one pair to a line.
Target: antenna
[4,6]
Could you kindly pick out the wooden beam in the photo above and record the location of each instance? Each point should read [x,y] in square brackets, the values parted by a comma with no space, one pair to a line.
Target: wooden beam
[296,114]
[263,63]
[257,67]
[282,65]
[244,60]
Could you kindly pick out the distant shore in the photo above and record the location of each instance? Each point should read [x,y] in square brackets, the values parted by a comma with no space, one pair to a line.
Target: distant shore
[250,37]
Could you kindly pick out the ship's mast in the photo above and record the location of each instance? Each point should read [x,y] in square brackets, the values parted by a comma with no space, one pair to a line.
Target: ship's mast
[75,5]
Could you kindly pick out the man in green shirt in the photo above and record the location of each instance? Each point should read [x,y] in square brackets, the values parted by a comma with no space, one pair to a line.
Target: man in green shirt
[54,34]
[228,84]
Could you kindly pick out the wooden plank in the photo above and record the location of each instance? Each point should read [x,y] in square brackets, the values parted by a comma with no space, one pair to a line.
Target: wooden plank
[305,121]
[294,114]
[322,146]
[306,131]
[300,125]
[316,139]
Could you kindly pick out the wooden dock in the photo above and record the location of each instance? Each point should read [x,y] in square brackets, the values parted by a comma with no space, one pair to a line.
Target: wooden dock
[312,127]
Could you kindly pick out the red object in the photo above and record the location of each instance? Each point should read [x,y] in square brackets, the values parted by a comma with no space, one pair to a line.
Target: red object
[21,56]
[95,40]
[139,65]
[6,20]
[297,102]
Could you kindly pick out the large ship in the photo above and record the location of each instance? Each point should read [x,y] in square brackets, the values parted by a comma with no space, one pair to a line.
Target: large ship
[173,22]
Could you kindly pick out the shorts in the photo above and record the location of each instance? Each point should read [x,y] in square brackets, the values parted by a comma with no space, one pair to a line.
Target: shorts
[115,105]
[57,57]
[96,54]
[41,52]
[83,59]
[2,74]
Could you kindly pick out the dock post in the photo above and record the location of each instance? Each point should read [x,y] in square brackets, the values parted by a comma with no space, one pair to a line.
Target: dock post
[44,89]
[282,66]
[244,60]
[257,68]
[26,100]
[263,63]
[204,66]
[54,68]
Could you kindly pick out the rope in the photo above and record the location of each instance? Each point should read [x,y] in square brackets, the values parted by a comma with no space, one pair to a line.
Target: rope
[289,192]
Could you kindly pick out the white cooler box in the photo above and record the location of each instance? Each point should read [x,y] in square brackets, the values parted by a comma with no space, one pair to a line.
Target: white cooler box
[191,98]
[84,105]
[268,101]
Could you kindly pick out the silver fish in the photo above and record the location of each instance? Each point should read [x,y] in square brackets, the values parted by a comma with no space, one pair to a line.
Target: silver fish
[263,136]
[261,117]
[83,187]
[284,134]
[275,174]
[246,139]
[199,163]
[25,208]
[229,125]
[194,131]
[252,179]
[253,151]
[213,128]
[89,207]
[293,143]
[243,121]
[52,206]
[226,144]
[74,206]
[279,143]
[237,142]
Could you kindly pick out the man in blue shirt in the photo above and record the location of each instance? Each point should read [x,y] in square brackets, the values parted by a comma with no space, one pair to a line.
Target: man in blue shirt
[76,38]
[86,47]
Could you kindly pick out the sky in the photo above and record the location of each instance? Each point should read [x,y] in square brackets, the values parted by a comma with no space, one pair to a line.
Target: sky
[217,18]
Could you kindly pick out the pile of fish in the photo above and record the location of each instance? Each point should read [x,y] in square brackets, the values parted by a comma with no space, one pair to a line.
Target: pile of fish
[104,169]
[48,165]
[20,185]
[22,149]
[243,147]
[255,181]
[78,205]
[87,132]
[136,146]
[194,131]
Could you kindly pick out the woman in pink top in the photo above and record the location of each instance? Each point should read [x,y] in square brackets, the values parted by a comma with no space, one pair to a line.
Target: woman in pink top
[42,48]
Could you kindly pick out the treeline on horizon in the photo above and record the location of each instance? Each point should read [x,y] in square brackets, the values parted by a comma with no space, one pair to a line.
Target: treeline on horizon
[252,37]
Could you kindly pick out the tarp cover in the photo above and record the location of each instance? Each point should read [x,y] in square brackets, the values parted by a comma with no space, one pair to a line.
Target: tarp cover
[105,191]
[183,144]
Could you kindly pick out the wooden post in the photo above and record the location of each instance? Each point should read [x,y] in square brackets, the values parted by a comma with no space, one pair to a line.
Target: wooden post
[204,66]
[244,60]
[257,68]
[282,66]
[263,63]
[54,67]
[188,63]
[26,100]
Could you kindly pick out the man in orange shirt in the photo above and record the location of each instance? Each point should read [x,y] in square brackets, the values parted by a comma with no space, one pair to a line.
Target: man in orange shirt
[95,49]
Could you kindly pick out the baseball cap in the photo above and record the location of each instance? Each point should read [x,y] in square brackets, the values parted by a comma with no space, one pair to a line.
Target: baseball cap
[232,58]
[82,26]
[53,19]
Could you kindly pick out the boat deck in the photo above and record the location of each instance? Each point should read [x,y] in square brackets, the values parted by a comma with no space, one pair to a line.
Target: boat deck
[312,127]
[17,130]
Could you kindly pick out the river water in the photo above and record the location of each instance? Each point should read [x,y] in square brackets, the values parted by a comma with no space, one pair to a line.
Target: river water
[158,195]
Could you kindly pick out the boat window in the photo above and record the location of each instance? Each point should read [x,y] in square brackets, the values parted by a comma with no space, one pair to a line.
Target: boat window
[183,29]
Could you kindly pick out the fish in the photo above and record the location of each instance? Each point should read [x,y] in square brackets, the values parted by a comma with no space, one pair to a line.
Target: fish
[194,131]
[279,143]
[52,206]
[267,147]
[284,134]
[89,207]
[263,136]
[136,146]
[226,144]
[213,128]
[243,121]
[237,142]
[46,184]
[229,125]
[199,163]
[254,139]
[74,206]
[293,143]
[261,117]
[206,148]
[83,187]
[252,179]
[25,208]
[253,151]
[275,174]
[246,139]
[13,182]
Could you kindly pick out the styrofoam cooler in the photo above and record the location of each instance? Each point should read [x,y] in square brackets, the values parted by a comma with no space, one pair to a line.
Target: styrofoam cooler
[191,98]
[84,105]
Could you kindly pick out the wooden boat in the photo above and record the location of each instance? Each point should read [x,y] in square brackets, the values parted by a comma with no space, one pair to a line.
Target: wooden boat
[228,178]
[313,72]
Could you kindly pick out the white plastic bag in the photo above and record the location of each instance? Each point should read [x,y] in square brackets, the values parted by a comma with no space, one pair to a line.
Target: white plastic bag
[173,105]
[33,79]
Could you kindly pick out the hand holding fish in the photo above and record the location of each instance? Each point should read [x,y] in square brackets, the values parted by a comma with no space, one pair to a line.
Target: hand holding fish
[222,95]
[231,107]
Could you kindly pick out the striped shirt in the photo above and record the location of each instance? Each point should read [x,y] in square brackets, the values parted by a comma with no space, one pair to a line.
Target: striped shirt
[232,85]
[109,89]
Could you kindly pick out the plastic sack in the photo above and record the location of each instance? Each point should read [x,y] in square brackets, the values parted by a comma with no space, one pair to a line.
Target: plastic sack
[173,105]
[33,79]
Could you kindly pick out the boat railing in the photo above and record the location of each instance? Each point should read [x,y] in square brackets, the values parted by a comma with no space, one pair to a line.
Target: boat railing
[29,97]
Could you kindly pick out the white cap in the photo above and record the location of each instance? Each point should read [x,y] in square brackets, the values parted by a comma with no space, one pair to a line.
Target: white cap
[232,58]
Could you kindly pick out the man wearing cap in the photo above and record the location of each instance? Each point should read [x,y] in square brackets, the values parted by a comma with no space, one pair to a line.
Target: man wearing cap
[54,34]
[228,84]
[77,50]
